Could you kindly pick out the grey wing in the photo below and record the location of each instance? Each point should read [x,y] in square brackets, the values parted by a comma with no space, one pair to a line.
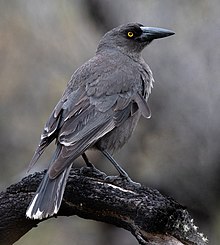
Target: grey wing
[49,132]
[79,131]
[76,124]
[54,123]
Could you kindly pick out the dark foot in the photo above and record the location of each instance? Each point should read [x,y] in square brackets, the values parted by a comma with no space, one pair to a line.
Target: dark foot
[120,180]
[92,172]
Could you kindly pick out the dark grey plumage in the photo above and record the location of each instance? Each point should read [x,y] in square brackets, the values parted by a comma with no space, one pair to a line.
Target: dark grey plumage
[99,109]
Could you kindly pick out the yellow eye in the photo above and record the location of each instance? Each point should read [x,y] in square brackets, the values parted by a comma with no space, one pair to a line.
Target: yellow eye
[130,34]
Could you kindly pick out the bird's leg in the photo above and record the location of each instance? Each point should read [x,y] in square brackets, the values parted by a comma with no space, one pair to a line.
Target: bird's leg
[91,168]
[88,163]
[121,171]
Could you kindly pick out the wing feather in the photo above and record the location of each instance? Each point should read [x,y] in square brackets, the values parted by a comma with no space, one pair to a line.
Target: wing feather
[70,152]
[142,105]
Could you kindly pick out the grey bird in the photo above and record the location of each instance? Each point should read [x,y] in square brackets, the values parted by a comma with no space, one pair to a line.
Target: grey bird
[99,109]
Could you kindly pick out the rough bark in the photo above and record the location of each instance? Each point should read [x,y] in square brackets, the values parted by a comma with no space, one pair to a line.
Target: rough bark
[150,216]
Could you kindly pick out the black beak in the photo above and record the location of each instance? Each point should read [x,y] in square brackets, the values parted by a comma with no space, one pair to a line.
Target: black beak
[150,33]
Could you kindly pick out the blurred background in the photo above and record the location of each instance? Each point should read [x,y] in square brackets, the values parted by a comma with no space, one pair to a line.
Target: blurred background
[176,151]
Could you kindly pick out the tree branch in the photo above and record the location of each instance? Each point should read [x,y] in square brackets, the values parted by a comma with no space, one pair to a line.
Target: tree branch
[151,217]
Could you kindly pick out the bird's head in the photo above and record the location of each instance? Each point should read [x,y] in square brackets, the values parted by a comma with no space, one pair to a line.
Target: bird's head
[132,37]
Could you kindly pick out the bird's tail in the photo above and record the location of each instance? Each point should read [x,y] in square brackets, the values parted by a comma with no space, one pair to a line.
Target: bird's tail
[48,197]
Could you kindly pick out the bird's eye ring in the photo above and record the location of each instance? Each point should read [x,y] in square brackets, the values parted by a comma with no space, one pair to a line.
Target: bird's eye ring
[130,34]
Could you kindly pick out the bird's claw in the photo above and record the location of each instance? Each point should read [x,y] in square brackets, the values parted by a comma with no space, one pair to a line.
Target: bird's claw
[92,171]
[117,180]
